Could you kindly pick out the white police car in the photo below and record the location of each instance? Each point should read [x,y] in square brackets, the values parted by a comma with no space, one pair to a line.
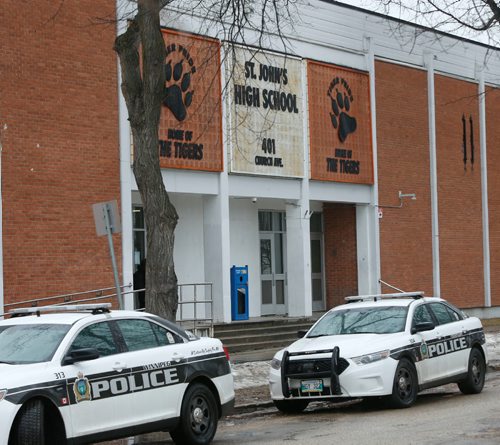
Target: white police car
[391,345]
[96,374]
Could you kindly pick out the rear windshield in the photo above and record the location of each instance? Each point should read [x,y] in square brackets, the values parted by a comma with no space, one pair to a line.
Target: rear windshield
[383,320]
[22,344]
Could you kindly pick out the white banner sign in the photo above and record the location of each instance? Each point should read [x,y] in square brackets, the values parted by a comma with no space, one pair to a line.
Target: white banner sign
[265,102]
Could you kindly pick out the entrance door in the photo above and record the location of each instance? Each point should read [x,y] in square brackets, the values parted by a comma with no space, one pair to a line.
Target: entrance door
[272,269]
[318,300]
[317,268]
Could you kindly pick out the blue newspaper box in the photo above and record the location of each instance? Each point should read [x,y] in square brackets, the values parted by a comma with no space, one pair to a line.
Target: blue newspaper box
[239,292]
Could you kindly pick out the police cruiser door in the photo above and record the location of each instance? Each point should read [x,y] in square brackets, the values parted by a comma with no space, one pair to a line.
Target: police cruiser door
[98,389]
[452,348]
[156,356]
[427,369]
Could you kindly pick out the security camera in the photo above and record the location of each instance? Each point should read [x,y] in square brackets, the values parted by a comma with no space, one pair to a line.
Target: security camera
[254,200]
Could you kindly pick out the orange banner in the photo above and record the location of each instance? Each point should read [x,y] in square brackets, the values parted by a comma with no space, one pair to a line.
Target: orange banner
[339,124]
[190,130]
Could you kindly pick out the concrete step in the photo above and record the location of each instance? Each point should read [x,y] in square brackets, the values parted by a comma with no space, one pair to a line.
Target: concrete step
[262,333]
[262,322]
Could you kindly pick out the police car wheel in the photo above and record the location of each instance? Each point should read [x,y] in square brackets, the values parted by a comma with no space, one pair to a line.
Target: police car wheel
[405,386]
[474,382]
[30,426]
[291,406]
[199,417]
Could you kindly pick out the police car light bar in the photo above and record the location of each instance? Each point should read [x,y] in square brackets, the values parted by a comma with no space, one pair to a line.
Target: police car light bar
[99,307]
[375,297]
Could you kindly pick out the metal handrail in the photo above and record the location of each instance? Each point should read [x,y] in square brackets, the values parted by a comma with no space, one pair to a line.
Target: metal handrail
[65,296]
[200,324]
[70,301]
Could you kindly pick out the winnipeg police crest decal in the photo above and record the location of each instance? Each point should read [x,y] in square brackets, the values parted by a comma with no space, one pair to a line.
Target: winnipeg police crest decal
[424,351]
[81,388]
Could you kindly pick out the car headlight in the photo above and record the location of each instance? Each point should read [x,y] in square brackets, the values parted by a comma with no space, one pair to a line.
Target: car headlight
[275,363]
[370,358]
[3,393]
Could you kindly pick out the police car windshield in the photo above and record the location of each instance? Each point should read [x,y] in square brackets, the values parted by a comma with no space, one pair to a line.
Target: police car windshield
[23,344]
[382,320]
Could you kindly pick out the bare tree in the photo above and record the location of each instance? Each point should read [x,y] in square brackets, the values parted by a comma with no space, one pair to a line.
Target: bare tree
[142,53]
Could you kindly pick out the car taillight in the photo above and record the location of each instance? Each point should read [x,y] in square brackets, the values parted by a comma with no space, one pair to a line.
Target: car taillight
[226,351]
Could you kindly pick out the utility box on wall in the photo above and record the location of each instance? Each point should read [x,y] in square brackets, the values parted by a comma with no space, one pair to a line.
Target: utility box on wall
[239,292]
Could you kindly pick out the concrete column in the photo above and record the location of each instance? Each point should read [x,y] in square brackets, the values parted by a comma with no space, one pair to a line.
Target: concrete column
[216,229]
[217,252]
[125,174]
[298,260]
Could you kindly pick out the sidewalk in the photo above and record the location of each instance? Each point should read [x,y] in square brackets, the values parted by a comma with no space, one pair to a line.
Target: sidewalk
[251,369]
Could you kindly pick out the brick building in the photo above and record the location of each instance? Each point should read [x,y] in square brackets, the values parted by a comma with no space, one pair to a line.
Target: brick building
[361,114]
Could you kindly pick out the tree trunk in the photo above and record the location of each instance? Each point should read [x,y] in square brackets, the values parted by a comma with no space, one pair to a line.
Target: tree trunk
[143,84]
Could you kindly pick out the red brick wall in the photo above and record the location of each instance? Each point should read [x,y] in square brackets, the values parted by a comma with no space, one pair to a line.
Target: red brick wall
[60,151]
[493,159]
[341,268]
[459,190]
[403,165]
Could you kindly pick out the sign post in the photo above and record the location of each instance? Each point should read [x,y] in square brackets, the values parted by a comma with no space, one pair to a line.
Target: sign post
[107,222]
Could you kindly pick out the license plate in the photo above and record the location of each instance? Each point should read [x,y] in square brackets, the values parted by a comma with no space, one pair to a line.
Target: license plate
[311,385]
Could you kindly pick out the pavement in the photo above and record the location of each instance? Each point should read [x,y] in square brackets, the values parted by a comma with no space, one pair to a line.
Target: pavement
[251,369]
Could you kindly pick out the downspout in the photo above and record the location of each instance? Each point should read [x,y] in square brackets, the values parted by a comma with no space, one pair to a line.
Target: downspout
[436,277]
[375,285]
[125,170]
[484,188]
[2,301]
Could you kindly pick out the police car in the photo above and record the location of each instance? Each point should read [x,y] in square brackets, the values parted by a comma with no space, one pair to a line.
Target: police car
[389,345]
[91,374]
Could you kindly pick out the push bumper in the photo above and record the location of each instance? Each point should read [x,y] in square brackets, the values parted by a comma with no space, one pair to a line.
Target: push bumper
[374,379]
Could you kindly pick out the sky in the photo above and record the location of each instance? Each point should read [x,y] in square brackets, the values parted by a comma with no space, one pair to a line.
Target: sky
[490,37]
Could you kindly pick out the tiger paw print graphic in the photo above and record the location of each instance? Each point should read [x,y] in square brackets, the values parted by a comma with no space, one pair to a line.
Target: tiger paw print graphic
[177,97]
[341,120]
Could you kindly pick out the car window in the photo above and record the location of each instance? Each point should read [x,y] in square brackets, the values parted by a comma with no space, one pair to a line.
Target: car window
[422,315]
[20,344]
[442,313]
[97,336]
[142,334]
[382,320]
[456,314]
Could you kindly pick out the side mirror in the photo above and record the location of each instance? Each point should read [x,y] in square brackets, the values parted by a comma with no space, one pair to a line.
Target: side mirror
[302,333]
[80,355]
[423,326]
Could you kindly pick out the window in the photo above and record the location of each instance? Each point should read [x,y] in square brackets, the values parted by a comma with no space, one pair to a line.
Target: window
[456,313]
[141,334]
[383,320]
[442,313]
[97,336]
[20,344]
[422,315]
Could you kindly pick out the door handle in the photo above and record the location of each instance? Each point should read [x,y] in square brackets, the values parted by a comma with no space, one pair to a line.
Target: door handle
[119,367]
[177,357]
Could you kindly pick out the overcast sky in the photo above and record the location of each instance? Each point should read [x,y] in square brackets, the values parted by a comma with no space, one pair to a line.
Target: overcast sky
[377,6]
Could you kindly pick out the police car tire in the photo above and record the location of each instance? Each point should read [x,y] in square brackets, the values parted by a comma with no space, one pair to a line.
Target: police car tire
[199,417]
[30,426]
[474,382]
[291,406]
[405,386]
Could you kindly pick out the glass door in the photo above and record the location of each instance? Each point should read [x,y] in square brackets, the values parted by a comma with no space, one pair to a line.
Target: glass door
[317,272]
[272,263]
